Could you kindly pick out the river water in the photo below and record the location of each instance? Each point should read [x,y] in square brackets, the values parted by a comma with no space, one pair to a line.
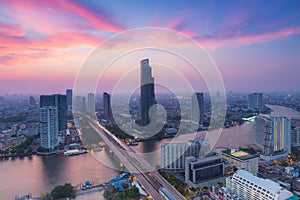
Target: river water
[38,174]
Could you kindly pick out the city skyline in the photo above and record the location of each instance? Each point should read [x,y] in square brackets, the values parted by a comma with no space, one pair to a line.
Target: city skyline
[255,45]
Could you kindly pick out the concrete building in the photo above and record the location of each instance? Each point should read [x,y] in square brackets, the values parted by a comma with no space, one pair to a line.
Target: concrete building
[242,160]
[107,105]
[147,91]
[60,102]
[91,103]
[173,154]
[255,101]
[295,132]
[200,172]
[69,94]
[245,185]
[273,134]
[197,108]
[48,127]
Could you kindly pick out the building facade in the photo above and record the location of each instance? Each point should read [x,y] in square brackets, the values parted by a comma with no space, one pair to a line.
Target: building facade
[199,171]
[197,107]
[295,132]
[69,94]
[147,98]
[245,185]
[91,103]
[48,127]
[107,105]
[173,154]
[242,160]
[255,101]
[60,102]
[273,134]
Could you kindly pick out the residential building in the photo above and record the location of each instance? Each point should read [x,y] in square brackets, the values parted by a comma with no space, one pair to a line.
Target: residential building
[245,185]
[255,101]
[60,102]
[173,154]
[48,127]
[273,134]
[91,103]
[69,94]
[197,108]
[107,105]
[295,132]
[242,160]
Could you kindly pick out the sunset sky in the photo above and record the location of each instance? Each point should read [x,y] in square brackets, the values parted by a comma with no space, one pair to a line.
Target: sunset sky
[255,44]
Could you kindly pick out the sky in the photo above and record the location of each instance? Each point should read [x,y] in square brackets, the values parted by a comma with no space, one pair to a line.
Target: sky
[43,44]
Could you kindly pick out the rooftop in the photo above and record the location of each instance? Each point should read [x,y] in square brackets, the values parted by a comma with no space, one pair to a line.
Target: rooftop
[240,154]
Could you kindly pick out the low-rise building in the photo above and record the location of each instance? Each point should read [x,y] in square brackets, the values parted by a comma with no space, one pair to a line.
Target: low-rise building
[200,172]
[242,160]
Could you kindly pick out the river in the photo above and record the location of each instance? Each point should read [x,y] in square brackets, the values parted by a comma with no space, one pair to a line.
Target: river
[40,174]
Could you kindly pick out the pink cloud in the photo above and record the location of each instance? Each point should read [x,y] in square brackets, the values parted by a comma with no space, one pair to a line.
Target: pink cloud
[243,40]
[11,30]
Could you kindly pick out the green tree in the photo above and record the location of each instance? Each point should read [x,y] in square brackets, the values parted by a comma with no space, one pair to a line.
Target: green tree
[62,191]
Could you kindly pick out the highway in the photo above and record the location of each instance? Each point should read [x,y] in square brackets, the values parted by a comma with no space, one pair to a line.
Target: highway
[146,175]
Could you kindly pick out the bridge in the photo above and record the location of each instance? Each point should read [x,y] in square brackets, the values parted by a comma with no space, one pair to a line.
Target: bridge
[146,175]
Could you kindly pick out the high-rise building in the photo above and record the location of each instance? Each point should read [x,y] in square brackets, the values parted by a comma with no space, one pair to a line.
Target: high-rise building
[69,94]
[60,102]
[173,154]
[147,91]
[91,103]
[295,132]
[273,134]
[255,101]
[32,102]
[242,160]
[48,127]
[107,105]
[197,107]
[199,171]
[245,185]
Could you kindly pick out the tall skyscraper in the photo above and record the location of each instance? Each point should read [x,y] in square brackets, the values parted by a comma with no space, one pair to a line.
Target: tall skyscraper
[69,94]
[255,101]
[60,102]
[197,107]
[32,102]
[295,132]
[91,103]
[48,127]
[107,105]
[273,134]
[147,91]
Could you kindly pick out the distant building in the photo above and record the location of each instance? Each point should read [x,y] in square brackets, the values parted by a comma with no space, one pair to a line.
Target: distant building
[69,94]
[255,101]
[173,154]
[245,185]
[197,107]
[91,103]
[32,102]
[48,127]
[147,98]
[80,103]
[273,134]
[242,160]
[60,102]
[107,105]
[199,172]
[295,132]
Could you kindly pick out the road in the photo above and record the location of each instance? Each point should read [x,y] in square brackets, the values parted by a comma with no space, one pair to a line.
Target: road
[146,175]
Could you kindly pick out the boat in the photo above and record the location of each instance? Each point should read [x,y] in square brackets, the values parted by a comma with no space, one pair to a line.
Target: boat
[74,152]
